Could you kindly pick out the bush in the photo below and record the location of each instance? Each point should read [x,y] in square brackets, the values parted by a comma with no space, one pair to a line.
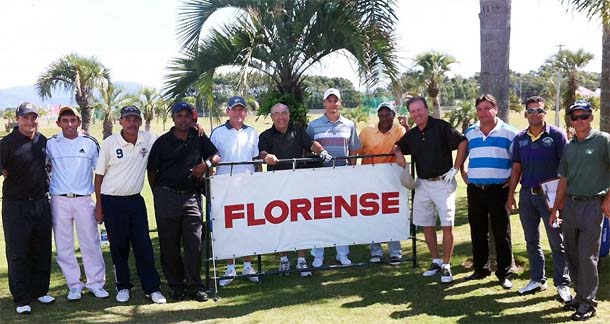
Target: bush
[298,111]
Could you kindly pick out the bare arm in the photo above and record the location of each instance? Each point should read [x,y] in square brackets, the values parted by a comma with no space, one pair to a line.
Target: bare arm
[99,215]
[316,147]
[559,199]
[400,158]
[515,176]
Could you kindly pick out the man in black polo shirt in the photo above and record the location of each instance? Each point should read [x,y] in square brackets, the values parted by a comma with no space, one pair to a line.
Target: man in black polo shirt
[430,145]
[26,214]
[177,165]
[284,140]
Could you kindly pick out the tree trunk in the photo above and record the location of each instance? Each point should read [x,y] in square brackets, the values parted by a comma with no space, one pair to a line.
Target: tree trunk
[85,112]
[495,49]
[147,125]
[604,122]
[107,128]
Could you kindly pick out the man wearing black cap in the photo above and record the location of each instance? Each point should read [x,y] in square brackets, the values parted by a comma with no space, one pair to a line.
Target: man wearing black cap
[26,214]
[583,197]
[177,165]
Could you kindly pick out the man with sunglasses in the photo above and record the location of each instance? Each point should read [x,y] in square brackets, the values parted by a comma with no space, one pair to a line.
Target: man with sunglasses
[583,197]
[536,155]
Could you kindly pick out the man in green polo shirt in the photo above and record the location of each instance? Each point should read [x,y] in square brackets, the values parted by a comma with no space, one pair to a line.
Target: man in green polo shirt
[583,197]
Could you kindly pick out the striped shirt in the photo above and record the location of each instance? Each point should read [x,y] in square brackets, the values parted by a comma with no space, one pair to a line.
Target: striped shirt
[338,137]
[490,157]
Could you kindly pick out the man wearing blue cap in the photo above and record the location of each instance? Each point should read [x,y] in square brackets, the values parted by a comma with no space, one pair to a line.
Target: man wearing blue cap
[583,197]
[177,165]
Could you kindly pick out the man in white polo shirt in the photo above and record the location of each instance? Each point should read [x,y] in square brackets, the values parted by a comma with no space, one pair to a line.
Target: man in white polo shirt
[73,157]
[119,178]
[236,142]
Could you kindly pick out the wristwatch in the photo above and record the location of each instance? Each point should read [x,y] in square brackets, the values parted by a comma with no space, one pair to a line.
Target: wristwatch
[208,163]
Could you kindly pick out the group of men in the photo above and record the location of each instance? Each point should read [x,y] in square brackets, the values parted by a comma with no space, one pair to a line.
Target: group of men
[500,157]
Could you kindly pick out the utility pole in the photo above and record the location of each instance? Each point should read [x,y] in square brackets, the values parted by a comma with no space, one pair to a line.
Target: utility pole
[558,95]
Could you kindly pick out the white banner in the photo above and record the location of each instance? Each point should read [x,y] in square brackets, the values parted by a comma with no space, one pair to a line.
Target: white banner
[289,210]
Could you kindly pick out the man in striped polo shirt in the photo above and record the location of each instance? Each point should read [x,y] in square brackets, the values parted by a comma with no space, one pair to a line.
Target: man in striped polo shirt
[490,149]
[338,136]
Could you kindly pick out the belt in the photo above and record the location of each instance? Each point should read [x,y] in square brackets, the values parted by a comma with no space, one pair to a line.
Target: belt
[178,191]
[534,190]
[72,195]
[584,198]
[434,179]
[488,186]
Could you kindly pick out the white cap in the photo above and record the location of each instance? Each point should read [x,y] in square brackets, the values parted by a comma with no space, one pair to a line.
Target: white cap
[387,104]
[332,91]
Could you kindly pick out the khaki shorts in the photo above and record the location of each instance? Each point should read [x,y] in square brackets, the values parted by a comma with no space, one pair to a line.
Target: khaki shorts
[432,197]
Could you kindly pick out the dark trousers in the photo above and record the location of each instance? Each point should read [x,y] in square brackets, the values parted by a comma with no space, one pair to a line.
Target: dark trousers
[27,232]
[180,226]
[486,206]
[127,223]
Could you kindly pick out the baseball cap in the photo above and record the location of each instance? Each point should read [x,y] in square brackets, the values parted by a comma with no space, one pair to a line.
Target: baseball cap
[130,111]
[68,108]
[387,104]
[181,106]
[236,101]
[332,91]
[580,105]
[26,108]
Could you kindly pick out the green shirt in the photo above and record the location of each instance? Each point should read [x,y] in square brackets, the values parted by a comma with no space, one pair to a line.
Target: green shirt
[586,164]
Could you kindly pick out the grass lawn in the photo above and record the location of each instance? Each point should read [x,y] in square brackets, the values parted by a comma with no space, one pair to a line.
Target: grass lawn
[374,294]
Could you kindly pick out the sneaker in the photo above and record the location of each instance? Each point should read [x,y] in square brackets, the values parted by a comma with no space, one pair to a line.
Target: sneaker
[395,260]
[584,312]
[564,294]
[446,276]
[177,295]
[432,270]
[302,264]
[572,305]
[284,266]
[122,296]
[46,299]
[199,296]
[344,260]
[532,287]
[99,293]
[477,275]
[250,271]
[229,273]
[75,294]
[506,283]
[157,297]
[23,310]
[317,262]
[375,259]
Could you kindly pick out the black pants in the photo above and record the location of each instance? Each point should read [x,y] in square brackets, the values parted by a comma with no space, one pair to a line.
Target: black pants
[486,206]
[180,226]
[27,232]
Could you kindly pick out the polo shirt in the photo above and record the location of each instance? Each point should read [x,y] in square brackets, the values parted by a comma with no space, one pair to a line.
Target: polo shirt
[539,158]
[235,146]
[374,141]
[490,157]
[431,147]
[586,164]
[123,164]
[286,145]
[338,138]
[72,163]
[172,159]
[24,159]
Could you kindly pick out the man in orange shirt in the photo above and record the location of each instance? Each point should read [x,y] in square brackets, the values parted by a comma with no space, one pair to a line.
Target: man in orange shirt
[380,139]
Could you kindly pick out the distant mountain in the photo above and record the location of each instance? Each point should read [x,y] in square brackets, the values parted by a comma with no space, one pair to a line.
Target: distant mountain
[12,97]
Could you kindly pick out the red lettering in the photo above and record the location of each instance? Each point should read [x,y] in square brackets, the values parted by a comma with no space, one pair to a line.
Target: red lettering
[233,212]
[370,207]
[300,206]
[269,212]
[252,221]
[322,207]
[390,203]
[341,204]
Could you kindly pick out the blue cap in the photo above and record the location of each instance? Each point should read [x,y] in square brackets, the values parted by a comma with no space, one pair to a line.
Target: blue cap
[26,108]
[580,105]
[181,106]
[236,101]
[130,111]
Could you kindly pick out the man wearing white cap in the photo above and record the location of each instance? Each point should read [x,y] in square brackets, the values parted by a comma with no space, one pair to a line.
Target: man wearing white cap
[73,157]
[338,136]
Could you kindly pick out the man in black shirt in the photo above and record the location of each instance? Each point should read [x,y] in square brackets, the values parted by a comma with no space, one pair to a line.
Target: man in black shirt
[177,165]
[284,140]
[26,214]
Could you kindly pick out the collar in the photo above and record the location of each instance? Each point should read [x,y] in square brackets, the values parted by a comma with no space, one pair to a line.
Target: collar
[123,142]
[18,133]
[499,124]
[326,120]
[547,129]
[192,132]
[228,125]
[591,133]
[290,127]
[391,130]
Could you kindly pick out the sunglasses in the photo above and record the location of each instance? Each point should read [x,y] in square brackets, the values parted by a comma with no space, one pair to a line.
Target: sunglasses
[532,111]
[581,117]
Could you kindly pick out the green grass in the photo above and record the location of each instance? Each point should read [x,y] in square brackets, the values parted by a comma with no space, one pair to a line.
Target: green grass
[374,294]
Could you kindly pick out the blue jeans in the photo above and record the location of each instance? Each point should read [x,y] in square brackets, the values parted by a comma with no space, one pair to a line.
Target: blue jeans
[532,208]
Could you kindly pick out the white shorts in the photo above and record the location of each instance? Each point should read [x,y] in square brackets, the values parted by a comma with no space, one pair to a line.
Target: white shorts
[432,197]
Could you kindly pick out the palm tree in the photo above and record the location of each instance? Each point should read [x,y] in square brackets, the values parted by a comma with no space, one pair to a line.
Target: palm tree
[148,100]
[495,49]
[433,66]
[111,98]
[283,39]
[601,9]
[77,74]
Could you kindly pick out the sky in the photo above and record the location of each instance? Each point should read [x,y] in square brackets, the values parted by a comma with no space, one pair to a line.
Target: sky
[137,38]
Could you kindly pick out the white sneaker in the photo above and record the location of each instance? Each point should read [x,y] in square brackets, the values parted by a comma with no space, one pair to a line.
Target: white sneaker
[344,260]
[532,287]
[75,294]
[229,273]
[302,264]
[284,265]
[446,276]
[157,297]
[564,294]
[432,270]
[317,262]
[46,299]
[375,259]
[99,293]
[250,271]
[25,309]
[122,296]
